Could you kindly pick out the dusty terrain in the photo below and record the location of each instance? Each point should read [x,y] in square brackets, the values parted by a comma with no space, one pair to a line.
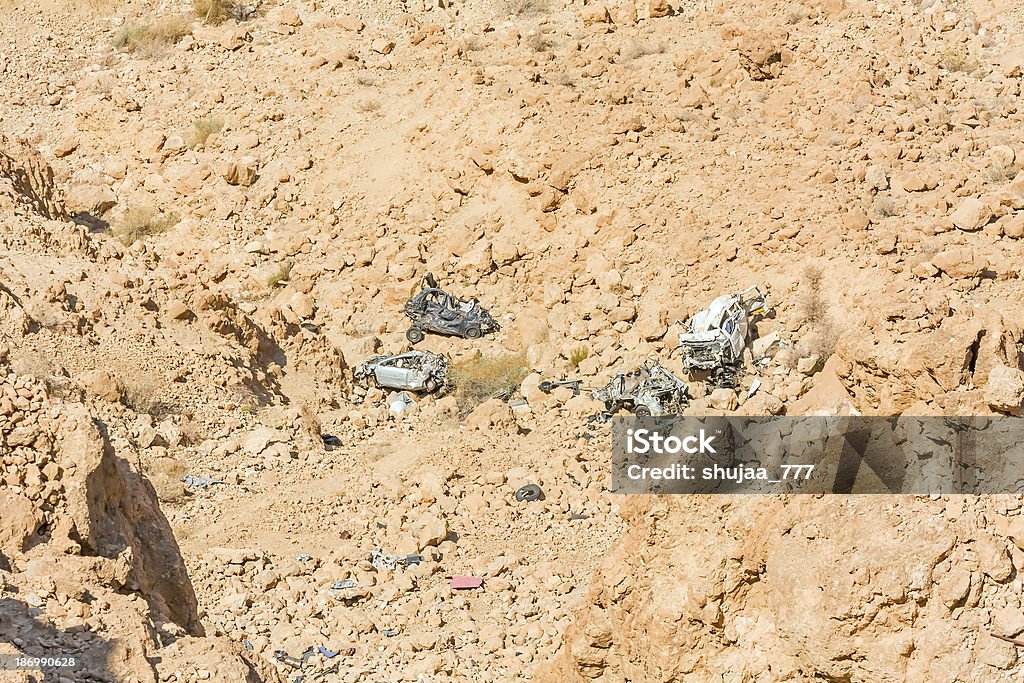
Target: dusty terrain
[205,225]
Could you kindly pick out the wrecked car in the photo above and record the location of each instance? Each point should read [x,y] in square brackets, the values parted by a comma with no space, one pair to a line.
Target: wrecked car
[649,390]
[435,310]
[411,371]
[714,338]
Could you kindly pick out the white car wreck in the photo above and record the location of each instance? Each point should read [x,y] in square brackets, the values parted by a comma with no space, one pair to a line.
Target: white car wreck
[411,371]
[714,338]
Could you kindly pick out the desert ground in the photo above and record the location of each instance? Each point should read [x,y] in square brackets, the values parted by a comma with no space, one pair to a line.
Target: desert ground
[211,213]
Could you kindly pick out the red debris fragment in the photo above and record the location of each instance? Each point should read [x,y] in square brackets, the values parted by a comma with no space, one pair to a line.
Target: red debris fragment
[464,582]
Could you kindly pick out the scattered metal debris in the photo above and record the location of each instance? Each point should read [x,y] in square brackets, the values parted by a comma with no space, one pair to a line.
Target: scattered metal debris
[303,557]
[650,389]
[330,441]
[343,584]
[389,632]
[715,337]
[529,493]
[466,582]
[381,560]
[754,386]
[194,482]
[547,386]
[329,654]
[401,403]
[435,310]
[579,515]
[248,646]
[412,371]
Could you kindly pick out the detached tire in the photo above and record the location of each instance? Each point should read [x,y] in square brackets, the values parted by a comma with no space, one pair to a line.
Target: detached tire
[529,494]
[474,333]
[430,385]
[642,411]
[414,335]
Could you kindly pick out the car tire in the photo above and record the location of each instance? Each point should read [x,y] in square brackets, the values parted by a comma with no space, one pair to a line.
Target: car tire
[430,385]
[642,411]
[414,335]
[529,493]
[546,386]
[474,333]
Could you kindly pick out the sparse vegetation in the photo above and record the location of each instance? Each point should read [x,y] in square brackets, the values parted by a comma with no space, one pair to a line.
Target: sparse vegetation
[999,173]
[146,397]
[368,106]
[524,8]
[539,42]
[215,11]
[203,129]
[280,276]
[365,80]
[634,49]
[151,40]
[886,206]
[143,221]
[481,379]
[958,58]
[820,334]
[578,355]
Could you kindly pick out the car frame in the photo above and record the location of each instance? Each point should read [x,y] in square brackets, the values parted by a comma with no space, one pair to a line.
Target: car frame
[409,371]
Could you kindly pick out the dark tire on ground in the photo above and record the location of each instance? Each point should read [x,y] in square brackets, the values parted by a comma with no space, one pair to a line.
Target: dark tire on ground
[414,335]
[546,386]
[474,333]
[529,493]
[642,411]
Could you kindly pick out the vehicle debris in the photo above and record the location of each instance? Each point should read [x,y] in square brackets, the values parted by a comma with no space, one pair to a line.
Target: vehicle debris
[650,389]
[330,441]
[343,584]
[411,371]
[715,337]
[194,482]
[466,582]
[389,632]
[529,493]
[401,403]
[435,310]
[547,386]
[381,560]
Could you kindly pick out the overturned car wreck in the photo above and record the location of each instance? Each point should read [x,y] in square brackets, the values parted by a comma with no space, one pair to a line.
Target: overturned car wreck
[411,371]
[715,337]
[650,389]
[435,310]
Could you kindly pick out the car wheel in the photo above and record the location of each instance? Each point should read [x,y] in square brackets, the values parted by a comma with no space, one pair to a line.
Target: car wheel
[529,493]
[642,411]
[546,386]
[430,385]
[414,335]
[473,333]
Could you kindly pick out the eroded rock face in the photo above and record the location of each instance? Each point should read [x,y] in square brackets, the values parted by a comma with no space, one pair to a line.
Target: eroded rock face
[83,543]
[858,588]
[889,374]
[28,179]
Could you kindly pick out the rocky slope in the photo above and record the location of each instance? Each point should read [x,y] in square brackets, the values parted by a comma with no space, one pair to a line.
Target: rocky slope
[236,212]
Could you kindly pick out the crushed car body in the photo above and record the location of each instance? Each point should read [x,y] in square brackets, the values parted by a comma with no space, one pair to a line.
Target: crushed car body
[714,338]
[411,371]
[435,310]
[650,389]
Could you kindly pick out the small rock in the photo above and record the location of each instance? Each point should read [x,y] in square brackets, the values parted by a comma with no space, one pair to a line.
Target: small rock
[65,147]
[723,399]
[1004,390]
[176,310]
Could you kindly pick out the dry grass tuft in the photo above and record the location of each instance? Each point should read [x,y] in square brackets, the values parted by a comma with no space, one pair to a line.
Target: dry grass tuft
[578,355]
[146,397]
[203,129]
[524,8]
[280,276]
[815,315]
[152,40]
[215,11]
[143,221]
[481,379]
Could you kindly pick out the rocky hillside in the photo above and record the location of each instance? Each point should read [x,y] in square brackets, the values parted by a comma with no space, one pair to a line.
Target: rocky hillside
[208,218]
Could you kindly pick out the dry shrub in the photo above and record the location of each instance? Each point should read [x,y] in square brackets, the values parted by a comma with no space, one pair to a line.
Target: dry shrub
[578,355]
[143,221]
[203,129]
[635,49]
[886,206]
[147,397]
[820,334]
[215,11]
[486,377]
[280,276]
[151,40]
[524,8]
[958,58]
[368,106]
